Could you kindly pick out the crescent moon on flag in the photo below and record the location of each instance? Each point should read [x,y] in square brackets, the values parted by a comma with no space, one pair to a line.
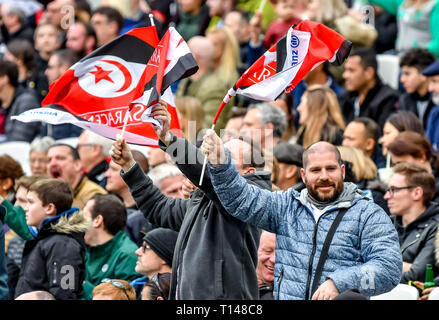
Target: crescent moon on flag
[125,72]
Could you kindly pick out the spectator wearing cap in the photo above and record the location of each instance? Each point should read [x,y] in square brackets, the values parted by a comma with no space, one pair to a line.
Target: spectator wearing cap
[157,251]
[432,127]
[155,255]
[111,252]
[289,157]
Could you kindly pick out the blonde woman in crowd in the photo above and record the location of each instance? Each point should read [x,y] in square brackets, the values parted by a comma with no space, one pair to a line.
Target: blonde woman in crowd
[320,117]
[361,170]
[226,56]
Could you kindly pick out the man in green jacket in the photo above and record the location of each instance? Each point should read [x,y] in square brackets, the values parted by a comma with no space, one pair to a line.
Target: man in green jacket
[111,253]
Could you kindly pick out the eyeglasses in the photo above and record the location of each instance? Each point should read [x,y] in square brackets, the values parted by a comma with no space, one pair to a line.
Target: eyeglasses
[155,280]
[392,190]
[145,247]
[117,284]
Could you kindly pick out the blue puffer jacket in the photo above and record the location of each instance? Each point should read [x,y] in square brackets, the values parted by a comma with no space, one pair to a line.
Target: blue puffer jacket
[364,254]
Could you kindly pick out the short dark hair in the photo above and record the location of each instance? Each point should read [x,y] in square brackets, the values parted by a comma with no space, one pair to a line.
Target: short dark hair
[417,175]
[413,144]
[371,127]
[9,69]
[66,56]
[418,58]
[112,211]
[54,191]
[368,58]
[329,148]
[406,121]
[112,14]
[73,151]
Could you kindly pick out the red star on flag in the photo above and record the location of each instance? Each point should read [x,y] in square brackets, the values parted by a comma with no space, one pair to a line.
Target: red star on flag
[101,74]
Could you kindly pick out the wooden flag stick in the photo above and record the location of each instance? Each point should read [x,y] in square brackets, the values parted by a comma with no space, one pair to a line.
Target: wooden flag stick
[205,162]
[125,122]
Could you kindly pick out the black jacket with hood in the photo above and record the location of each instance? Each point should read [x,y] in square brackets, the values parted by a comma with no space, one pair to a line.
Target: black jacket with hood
[417,242]
[55,260]
[215,256]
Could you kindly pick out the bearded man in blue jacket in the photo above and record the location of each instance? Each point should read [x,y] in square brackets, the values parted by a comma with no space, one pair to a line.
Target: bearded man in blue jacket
[364,254]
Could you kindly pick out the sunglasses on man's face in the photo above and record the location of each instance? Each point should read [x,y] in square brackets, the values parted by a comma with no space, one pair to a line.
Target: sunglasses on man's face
[117,284]
[145,247]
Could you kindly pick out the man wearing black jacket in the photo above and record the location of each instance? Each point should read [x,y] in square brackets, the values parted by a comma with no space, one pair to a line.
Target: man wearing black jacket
[415,216]
[416,99]
[216,255]
[367,95]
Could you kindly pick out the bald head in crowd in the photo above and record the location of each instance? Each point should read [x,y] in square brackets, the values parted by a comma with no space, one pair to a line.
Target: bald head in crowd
[203,52]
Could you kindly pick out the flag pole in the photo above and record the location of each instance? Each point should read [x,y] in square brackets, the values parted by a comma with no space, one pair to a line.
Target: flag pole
[226,99]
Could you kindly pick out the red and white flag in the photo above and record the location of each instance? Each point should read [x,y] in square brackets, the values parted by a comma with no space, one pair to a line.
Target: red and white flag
[97,92]
[284,65]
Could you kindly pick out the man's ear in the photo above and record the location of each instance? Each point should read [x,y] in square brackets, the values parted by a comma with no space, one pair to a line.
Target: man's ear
[302,174]
[249,170]
[50,209]
[370,144]
[370,73]
[77,165]
[98,221]
[291,171]
[343,171]
[7,184]
[418,193]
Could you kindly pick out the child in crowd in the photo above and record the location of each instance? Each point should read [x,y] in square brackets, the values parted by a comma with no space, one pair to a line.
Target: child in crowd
[55,260]
[288,13]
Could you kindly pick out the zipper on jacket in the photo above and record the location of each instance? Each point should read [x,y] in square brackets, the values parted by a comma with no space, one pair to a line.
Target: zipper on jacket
[280,280]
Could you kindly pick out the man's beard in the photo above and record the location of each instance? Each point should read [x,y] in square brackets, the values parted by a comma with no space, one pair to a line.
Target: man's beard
[313,192]
[435,98]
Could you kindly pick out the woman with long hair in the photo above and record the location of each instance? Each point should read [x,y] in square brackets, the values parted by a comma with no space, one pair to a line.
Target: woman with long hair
[396,123]
[320,117]
[226,59]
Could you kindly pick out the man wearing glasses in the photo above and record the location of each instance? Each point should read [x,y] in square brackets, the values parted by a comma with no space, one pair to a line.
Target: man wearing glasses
[154,256]
[415,216]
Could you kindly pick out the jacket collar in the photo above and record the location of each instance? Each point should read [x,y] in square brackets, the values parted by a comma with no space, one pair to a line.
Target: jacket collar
[44,225]
[423,221]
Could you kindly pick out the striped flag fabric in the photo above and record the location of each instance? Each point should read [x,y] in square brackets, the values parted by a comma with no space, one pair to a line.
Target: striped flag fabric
[123,78]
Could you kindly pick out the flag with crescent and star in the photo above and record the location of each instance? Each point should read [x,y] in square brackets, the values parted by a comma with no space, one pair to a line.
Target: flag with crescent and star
[129,73]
